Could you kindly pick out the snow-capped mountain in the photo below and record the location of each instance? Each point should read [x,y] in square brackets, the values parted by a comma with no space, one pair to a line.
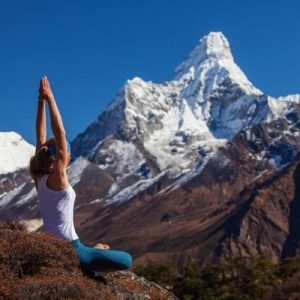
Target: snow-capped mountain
[172,127]
[173,121]
[15,152]
[16,187]
[189,162]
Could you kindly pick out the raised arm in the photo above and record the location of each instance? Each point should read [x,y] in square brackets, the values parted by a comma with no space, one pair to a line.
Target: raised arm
[58,179]
[40,121]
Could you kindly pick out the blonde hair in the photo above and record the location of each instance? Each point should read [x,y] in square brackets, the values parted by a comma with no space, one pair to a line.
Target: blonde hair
[40,164]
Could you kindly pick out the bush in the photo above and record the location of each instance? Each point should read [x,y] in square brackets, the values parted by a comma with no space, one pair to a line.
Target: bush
[234,279]
[163,274]
[40,266]
[287,267]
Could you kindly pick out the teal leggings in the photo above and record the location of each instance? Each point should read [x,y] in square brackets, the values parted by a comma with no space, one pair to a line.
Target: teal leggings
[93,259]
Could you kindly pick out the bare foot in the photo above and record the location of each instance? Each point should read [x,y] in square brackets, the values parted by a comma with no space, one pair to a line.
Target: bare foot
[101,246]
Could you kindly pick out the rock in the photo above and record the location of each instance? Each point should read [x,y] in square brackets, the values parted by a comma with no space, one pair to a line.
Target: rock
[129,286]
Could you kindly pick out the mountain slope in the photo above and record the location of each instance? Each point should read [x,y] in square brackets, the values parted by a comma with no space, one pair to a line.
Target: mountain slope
[15,152]
[185,170]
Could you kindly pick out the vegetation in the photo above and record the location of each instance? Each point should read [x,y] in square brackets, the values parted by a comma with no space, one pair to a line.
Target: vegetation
[39,266]
[234,279]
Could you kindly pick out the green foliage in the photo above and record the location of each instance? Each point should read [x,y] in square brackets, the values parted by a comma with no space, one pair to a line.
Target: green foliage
[163,274]
[287,267]
[233,279]
[188,283]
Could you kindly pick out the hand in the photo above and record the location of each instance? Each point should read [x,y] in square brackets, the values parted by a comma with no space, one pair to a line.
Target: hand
[45,92]
[102,246]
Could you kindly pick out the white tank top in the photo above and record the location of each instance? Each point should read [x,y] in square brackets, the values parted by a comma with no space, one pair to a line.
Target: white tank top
[56,208]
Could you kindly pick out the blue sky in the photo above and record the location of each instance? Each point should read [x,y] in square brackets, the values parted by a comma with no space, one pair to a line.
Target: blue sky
[88,49]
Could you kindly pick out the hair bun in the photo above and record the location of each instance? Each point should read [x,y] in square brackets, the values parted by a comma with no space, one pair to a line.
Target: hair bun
[44,149]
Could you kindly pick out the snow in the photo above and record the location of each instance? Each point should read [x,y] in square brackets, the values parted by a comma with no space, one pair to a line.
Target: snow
[273,163]
[213,61]
[160,114]
[183,122]
[13,195]
[278,108]
[123,156]
[195,171]
[134,189]
[179,124]
[291,126]
[113,189]
[165,123]
[98,200]
[258,176]
[32,225]
[190,124]
[213,45]
[173,120]
[26,198]
[116,102]
[291,98]
[76,169]
[15,152]
[6,198]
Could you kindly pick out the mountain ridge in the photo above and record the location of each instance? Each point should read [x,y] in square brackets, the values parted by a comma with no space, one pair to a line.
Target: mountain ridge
[177,161]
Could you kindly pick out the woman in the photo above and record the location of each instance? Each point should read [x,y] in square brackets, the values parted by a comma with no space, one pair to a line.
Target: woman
[48,168]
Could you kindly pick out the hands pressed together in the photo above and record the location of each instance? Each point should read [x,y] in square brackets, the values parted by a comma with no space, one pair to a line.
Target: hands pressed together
[45,93]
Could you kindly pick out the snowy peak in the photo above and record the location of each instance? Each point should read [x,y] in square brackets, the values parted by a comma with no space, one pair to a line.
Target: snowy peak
[15,152]
[210,70]
[291,98]
[175,124]
[171,121]
[213,46]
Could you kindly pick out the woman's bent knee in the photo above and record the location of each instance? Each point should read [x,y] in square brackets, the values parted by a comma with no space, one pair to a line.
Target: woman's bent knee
[126,261]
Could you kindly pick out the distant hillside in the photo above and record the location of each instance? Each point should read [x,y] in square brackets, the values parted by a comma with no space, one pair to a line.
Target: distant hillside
[238,278]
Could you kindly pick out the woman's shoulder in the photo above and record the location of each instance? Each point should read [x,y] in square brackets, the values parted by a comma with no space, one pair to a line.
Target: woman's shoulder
[55,185]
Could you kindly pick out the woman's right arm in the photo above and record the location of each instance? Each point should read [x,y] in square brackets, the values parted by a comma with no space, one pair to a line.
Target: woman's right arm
[57,125]
[58,178]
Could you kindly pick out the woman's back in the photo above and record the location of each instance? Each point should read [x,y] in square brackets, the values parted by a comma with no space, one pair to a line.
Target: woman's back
[56,196]
[56,208]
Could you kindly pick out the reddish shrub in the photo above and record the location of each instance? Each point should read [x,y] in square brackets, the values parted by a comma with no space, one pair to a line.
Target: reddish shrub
[40,266]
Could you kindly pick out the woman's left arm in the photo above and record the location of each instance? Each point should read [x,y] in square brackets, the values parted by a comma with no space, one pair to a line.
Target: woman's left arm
[40,121]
